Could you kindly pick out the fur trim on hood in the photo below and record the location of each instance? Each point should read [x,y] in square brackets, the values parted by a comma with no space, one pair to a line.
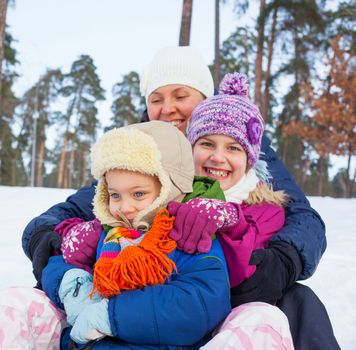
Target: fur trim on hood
[264,193]
[155,148]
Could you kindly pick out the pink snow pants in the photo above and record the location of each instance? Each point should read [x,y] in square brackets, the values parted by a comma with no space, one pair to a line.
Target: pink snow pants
[253,326]
[29,320]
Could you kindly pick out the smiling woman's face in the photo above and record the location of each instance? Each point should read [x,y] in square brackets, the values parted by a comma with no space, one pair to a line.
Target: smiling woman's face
[174,104]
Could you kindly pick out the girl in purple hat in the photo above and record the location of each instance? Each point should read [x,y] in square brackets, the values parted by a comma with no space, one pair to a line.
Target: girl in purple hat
[225,132]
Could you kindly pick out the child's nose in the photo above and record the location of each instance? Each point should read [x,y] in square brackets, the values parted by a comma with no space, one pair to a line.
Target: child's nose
[127,208]
[217,156]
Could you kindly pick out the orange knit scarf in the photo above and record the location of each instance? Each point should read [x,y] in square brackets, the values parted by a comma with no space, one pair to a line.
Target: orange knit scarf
[139,265]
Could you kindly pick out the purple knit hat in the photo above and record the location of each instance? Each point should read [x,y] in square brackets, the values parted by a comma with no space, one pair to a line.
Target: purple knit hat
[230,113]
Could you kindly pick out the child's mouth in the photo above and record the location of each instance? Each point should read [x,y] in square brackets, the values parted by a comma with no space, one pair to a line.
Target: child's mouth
[216,173]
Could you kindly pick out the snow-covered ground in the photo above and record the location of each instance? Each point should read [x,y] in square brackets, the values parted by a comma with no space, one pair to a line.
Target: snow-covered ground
[334,281]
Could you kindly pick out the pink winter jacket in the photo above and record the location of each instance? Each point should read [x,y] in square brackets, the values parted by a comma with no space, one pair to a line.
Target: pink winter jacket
[257,224]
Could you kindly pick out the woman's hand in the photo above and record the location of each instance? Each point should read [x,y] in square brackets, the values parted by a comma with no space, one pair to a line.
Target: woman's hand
[277,268]
[42,246]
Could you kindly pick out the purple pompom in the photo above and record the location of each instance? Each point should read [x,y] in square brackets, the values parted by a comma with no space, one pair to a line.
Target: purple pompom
[234,84]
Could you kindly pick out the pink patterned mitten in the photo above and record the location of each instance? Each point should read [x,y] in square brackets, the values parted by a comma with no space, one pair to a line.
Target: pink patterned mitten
[80,240]
[197,221]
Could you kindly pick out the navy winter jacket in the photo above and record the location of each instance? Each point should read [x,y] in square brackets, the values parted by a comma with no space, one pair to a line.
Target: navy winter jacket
[181,312]
[304,229]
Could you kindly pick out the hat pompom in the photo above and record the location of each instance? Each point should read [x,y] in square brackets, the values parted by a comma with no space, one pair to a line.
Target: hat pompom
[234,84]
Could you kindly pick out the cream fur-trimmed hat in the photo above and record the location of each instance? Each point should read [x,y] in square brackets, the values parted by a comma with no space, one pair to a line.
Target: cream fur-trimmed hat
[155,148]
[182,65]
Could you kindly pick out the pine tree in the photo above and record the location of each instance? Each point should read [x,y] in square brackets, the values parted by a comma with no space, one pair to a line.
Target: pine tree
[3,10]
[82,90]
[217,59]
[331,127]
[237,51]
[128,105]
[36,114]
[342,22]
[259,56]
[300,27]
[268,78]
[11,169]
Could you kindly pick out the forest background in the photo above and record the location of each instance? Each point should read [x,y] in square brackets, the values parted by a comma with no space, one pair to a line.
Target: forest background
[299,55]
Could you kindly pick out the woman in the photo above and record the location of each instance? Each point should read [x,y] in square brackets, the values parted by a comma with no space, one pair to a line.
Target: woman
[173,83]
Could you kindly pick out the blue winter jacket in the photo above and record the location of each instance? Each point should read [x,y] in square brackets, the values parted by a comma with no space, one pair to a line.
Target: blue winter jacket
[182,312]
[304,229]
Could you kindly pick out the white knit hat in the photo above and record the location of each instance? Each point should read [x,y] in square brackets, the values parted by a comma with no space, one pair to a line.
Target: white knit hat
[182,65]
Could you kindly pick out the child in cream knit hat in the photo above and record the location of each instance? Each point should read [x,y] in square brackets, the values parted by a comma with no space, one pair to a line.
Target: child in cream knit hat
[140,168]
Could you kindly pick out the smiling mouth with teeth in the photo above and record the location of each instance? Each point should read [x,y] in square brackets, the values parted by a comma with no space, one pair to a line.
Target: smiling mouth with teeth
[220,173]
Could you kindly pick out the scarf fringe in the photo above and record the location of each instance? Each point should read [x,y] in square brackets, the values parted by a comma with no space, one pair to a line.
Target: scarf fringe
[137,266]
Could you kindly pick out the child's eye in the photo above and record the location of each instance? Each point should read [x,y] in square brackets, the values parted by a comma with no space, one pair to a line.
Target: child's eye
[206,144]
[115,196]
[234,148]
[139,194]
[182,97]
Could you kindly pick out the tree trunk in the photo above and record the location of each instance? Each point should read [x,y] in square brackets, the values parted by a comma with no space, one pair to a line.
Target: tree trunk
[350,183]
[266,94]
[322,166]
[3,8]
[130,117]
[320,177]
[353,185]
[13,173]
[65,177]
[298,166]
[260,40]
[19,166]
[184,36]
[62,161]
[84,168]
[39,164]
[70,171]
[217,63]
[246,54]
[305,167]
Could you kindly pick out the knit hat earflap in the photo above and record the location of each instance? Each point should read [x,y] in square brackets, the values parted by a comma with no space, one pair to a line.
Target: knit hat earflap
[230,113]
[177,65]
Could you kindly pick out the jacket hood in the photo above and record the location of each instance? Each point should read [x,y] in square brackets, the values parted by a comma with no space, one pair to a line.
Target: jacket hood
[264,193]
[155,148]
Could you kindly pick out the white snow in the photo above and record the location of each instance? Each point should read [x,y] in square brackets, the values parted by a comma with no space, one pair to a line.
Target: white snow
[334,281]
